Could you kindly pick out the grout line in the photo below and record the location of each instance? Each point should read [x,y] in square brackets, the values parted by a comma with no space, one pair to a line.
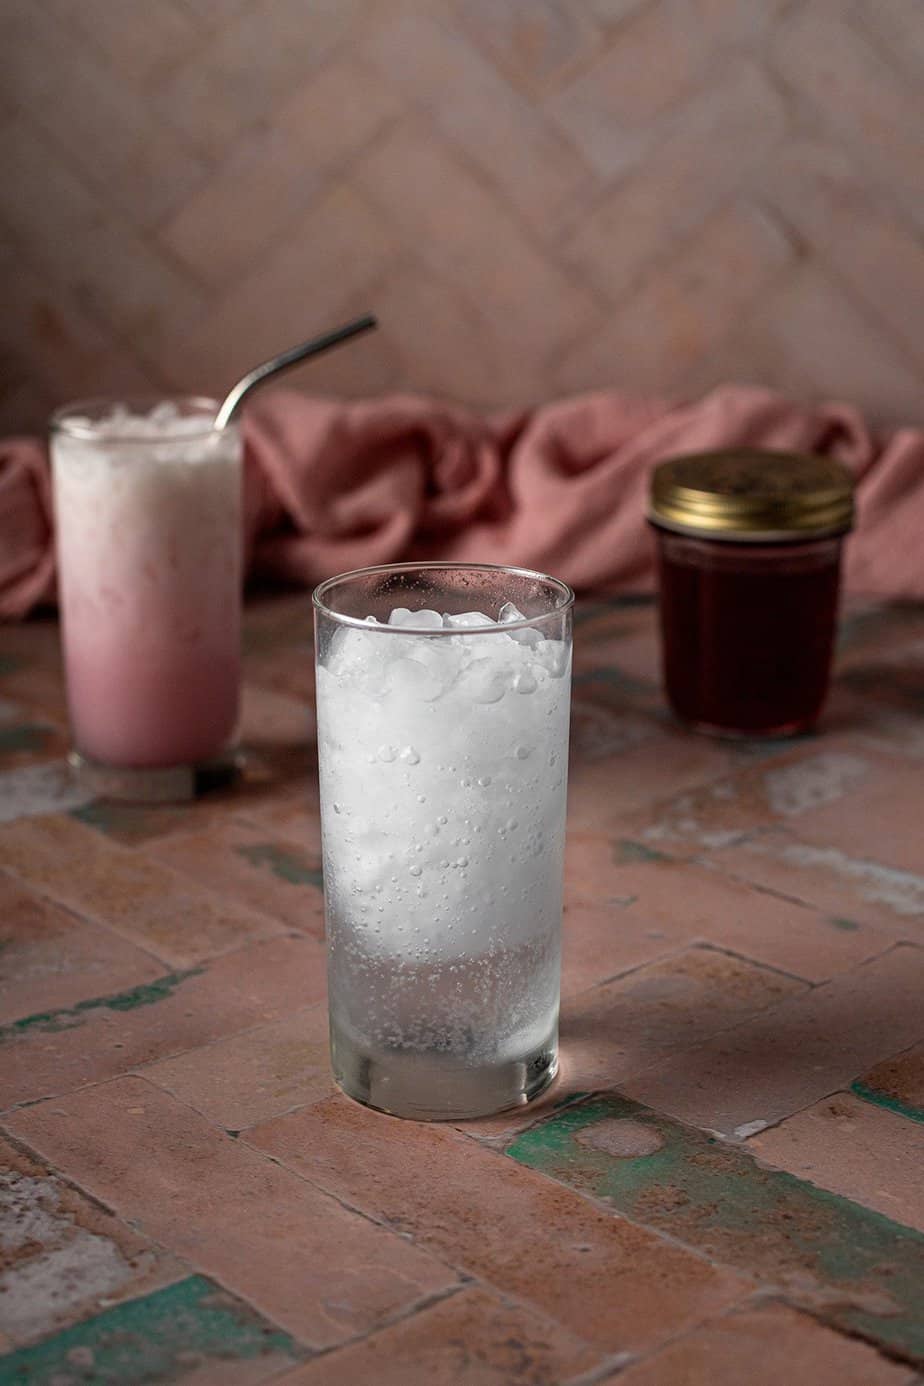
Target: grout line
[417,1306]
[35,1153]
[708,864]
[84,920]
[603,1206]
[708,945]
[192,888]
[609,1369]
[673,951]
[617,1366]
[139,1071]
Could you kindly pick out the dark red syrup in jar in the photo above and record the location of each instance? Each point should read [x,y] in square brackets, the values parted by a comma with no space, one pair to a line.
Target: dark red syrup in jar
[747,637]
[749,556]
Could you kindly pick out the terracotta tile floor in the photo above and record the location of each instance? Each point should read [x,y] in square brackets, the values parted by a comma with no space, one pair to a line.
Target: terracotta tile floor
[724,1186]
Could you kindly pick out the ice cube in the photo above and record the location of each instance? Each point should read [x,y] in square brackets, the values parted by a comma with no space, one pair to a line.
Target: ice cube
[510,613]
[483,681]
[526,636]
[553,657]
[467,618]
[417,620]
[413,680]
[117,419]
[426,620]
[359,658]
[163,415]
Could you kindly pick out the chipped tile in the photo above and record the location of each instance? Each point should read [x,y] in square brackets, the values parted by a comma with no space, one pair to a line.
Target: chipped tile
[475,1335]
[274,878]
[797,1052]
[763,1346]
[34,790]
[251,1077]
[59,1050]
[857,888]
[870,1155]
[850,1267]
[605,1280]
[192,1325]
[896,1083]
[64,1256]
[131,893]
[315,1268]
[51,959]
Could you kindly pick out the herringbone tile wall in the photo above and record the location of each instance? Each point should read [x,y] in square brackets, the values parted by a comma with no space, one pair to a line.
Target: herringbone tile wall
[537,196]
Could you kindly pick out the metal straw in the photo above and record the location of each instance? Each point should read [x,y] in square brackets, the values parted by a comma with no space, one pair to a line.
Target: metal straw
[235,397]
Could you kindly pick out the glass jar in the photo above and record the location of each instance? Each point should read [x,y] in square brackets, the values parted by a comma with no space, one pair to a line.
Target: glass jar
[749,553]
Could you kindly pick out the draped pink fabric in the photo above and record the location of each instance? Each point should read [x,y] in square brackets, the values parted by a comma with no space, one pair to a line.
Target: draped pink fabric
[27,563]
[334,485]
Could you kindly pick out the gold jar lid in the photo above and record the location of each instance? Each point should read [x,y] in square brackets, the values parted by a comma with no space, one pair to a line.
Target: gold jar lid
[751,494]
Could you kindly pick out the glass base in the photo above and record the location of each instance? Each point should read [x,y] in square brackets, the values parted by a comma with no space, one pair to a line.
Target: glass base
[169,784]
[434,1087]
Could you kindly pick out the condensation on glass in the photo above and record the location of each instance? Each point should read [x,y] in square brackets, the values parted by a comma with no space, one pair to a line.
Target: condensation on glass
[443,696]
[147,501]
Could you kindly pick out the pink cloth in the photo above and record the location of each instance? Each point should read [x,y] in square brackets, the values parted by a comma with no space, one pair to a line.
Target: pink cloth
[27,560]
[334,485]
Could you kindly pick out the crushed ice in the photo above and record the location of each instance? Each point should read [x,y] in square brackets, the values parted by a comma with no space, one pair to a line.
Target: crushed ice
[480,663]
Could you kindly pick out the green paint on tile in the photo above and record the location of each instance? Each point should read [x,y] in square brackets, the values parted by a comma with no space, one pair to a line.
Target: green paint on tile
[131,822]
[283,863]
[625,601]
[854,1268]
[887,1100]
[765,747]
[159,1338]
[627,853]
[856,626]
[66,1018]
[632,599]
[24,736]
[589,611]
[898,620]
[905,689]
[614,678]
[847,926]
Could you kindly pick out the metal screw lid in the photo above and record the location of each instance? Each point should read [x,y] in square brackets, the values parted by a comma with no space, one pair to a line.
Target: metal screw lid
[750,494]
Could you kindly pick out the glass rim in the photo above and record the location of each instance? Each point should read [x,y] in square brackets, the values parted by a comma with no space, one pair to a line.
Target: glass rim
[62,420]
[431,565]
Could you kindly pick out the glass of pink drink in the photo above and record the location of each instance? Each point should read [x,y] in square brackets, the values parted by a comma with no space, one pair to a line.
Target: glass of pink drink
[148,521]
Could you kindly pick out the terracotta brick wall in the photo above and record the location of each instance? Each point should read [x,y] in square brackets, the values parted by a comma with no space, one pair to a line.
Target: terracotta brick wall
[536,196]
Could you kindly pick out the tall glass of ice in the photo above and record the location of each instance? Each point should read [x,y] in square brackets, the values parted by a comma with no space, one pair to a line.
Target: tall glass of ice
[148,525]
[443,697]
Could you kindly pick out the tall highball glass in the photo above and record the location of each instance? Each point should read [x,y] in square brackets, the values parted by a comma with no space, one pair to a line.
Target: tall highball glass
[443,706]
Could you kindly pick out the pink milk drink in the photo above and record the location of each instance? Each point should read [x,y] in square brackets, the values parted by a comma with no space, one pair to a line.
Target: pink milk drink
[148,520]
